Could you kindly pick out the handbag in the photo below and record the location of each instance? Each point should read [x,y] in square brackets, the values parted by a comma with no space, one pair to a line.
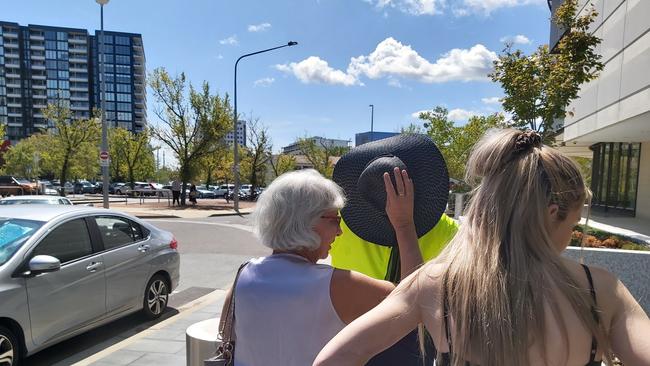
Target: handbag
[225,354]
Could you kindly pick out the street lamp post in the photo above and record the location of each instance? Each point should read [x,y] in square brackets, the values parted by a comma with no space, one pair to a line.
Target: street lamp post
[102,101]
[372,121]
[235,122]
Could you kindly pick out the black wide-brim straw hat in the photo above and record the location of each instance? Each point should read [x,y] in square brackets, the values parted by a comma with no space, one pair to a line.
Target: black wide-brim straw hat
[360,174]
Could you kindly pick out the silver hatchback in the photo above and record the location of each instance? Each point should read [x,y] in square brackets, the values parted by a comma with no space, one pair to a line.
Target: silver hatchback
[67,269]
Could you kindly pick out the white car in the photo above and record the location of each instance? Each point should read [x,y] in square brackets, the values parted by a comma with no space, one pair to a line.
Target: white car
[35,199]
[223,190]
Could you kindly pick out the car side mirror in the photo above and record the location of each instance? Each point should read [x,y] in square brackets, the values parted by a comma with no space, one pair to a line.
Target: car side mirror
[44,263]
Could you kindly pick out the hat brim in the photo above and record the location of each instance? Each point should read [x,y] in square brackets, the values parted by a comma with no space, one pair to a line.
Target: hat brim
[426,167]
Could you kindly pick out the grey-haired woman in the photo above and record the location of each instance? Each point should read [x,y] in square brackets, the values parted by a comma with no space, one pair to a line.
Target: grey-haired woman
[287,306]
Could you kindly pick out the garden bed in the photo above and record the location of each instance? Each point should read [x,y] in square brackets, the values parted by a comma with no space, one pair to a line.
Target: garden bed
[595,238]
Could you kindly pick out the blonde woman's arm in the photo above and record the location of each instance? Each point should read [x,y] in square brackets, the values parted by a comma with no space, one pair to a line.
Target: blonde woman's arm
[629,331]
[376,330]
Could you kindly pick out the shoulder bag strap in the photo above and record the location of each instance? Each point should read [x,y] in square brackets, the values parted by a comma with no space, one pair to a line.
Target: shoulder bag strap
[226,327]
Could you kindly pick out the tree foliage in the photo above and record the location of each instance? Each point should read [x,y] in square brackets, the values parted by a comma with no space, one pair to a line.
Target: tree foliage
[319,154]
[71,146]
[132,154]
[539,87]
[456,142]
[282,163]
[193,122]
[259,153]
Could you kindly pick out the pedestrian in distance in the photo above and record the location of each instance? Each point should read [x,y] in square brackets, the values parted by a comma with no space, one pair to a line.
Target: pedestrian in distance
[193,194]
[287,306]
[176,191]
[501,293]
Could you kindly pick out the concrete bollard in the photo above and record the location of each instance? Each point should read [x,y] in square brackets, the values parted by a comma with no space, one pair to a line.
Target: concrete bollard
[201,341]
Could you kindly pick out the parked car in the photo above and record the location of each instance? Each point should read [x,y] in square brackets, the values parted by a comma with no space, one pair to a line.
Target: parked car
[114,186]
[205,192]
[223,190]
[15,186]
[67,269]
[84,187]
[35,200]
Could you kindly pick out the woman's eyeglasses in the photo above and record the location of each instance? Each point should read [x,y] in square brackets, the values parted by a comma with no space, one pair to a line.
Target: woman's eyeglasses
[337,218]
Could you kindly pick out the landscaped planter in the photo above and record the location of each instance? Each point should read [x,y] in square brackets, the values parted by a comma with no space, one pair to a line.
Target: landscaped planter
[632,267]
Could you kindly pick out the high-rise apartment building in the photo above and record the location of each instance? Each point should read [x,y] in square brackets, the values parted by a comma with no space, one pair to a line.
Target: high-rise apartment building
[45,64]
[241,134]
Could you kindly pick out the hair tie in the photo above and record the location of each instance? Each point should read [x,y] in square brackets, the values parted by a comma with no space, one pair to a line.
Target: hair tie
[527,140]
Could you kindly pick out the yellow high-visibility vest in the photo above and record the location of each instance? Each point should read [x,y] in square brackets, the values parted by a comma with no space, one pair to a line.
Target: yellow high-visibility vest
[351,252]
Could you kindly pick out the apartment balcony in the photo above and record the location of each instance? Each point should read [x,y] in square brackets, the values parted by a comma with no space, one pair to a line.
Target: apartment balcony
[37,47]
[77,41]
[79,98]
[15,105]
[79,107]
[38,115]
[37,86]
[139,111]
[12,114]
[35,37]
[38,77]
[11,45]
[80,60]
[38,67]
[12,35]
[78,88]
[78,69]
[13,65]
[77,79]
[13,95]
[39,105]
[80,50]
[39,96]
[37,57]
[13,55]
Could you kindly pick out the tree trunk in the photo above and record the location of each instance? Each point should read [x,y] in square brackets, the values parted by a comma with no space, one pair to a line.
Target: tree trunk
[64,173]
[185,176]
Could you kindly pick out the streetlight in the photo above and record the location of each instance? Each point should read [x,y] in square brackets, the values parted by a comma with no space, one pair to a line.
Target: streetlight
[372,117]
[236,148]
[104,152]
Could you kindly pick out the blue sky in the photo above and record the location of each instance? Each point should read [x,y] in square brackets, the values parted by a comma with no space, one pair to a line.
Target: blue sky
[403,56]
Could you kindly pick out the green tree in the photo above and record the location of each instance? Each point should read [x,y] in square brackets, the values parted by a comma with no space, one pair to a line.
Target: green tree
[456,142]
[193,122]
[412,128]
[259,145]
[134,153]
[320,154]
[539,87]
[282,163]
[73,144]
[21,159]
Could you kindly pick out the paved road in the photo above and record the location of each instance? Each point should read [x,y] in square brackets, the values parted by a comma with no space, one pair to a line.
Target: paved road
[211,251]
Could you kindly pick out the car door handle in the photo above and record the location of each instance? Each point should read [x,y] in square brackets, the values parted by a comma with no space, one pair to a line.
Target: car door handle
[92,267]
[143,248]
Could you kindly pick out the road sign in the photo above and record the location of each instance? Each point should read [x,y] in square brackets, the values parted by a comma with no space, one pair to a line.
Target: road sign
[103,158]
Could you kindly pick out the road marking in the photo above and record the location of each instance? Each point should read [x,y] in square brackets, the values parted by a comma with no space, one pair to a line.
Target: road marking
[233,226]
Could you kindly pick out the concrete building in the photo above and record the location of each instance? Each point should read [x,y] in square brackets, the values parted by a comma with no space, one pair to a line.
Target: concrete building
[241,134]
[366,137]
[294,149]
[612,115]
[46,64]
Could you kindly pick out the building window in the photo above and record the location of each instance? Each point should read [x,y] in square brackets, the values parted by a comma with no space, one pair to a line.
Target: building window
[123,50]
[50,55]
[123,78]
[63,55]
[124,116]
[123,60]
[63,74]
[62,36]
[50,45]
[124,107]
[125,41]
[123,88]
[615,175]
[124,98]
[123,69]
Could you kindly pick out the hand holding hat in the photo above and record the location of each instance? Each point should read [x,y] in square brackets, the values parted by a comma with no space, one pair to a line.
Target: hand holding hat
[399,199]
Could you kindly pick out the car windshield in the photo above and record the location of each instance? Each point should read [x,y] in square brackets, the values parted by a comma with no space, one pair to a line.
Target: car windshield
[30,202]
[13,234]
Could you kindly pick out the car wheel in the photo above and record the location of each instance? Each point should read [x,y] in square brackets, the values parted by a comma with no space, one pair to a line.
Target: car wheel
[156,296]
[9,348]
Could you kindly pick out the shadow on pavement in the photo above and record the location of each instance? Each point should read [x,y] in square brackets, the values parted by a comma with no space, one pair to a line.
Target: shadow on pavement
[88,343]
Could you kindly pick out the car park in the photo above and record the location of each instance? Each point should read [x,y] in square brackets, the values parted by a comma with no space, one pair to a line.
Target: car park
[35,200]
[68,269]
[205,192]
[115,186]
[15,186]
[84,187]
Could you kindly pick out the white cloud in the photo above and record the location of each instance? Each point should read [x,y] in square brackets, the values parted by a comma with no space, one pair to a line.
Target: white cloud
[219,57]
[518,39]
[486,7]
[458,7]
[491,100]
[456,114]
[259,27]
[413,7]
[315,70]
[394,83]
[232,40]
[393,59]
[264,82]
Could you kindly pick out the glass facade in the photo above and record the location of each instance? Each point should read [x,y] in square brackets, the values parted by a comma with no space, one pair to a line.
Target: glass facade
[45,64]
[615,175]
